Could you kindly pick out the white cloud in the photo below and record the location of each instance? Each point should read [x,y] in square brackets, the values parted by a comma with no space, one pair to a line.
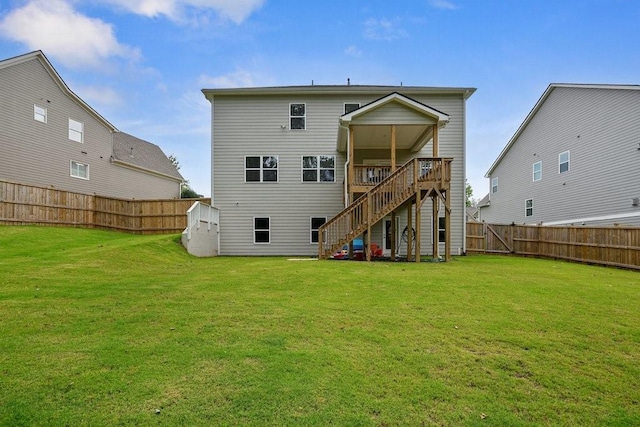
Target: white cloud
[176,10]
[56,28]
[239,78]
[443,4]
[383,29]
[353,51]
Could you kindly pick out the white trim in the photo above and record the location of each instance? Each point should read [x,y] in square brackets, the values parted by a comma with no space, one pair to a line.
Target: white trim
[539,162]
[311,218]
[261,229]
[71,170]
[568,162]
[37,115]
[261,169]
[291,117]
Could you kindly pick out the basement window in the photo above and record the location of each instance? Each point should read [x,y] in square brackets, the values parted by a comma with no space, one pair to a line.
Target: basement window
[528,207]
[316,222]
[261,230]
[442,231]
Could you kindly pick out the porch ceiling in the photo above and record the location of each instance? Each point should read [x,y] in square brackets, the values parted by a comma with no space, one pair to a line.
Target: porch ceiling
[408,137]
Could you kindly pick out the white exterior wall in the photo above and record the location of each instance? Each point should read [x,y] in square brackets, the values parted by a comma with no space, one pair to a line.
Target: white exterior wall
[251,125]
[601,130]
[40,153]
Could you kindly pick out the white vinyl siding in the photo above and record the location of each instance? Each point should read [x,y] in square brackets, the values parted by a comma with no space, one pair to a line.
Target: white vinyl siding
[563,162]
[39,113]
[297,116]
[315,223]
[318,168]
[261,230]
[76,130]
[79,170]
[537,171]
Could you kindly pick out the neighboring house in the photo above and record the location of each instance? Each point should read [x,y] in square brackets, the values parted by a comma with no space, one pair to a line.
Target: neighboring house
[481,207]
[574,160]
[50,137]
[286,161]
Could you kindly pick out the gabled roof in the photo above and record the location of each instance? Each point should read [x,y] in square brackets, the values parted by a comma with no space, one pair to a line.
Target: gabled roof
[138,154]
[538,105]
[40,56]
[441,117]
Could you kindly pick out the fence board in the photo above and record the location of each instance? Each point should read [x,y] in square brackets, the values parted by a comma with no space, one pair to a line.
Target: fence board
[615,246]
[29,204]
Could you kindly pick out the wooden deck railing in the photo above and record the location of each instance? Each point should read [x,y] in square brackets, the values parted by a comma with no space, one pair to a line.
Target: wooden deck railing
[389,194]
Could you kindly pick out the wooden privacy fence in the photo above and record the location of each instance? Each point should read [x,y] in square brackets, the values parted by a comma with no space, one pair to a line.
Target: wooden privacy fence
[615,246]
[29,204]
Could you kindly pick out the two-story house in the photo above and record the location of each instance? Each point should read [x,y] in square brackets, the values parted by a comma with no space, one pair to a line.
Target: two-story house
[303,170]
[574,160]
[50,137]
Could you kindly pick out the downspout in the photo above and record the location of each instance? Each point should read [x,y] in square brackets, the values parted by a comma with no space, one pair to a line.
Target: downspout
[346,167]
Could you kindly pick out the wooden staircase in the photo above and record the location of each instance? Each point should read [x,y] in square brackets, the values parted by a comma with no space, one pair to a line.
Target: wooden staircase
[410,179]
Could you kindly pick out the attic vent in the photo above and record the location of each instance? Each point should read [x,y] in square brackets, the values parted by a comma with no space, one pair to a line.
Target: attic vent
[131,155]
[635,201]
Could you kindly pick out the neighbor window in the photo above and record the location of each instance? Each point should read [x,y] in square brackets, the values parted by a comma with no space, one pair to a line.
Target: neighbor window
[79,170]
[76,130]
[316,222]
[563,160]
[350,106]
[442,230]
[537,171]
[494,185]
[39,113]
[261,168]
[262,230]
[298,116]
[318,168]
[528,207]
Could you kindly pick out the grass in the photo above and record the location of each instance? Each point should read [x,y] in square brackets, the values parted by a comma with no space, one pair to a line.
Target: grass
[102,328]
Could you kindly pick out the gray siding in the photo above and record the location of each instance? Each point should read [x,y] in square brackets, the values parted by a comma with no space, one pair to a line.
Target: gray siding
[601,130]
[252,125]
[40,153]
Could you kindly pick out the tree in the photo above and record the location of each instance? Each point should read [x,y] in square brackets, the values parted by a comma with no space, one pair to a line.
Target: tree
[174,161]
[186,192]
[469,195]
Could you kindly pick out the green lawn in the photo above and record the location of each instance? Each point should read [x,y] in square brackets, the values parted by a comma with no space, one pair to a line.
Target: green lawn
[103,328]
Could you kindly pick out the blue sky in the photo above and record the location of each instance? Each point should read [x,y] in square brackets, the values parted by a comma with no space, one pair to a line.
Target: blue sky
[142,63]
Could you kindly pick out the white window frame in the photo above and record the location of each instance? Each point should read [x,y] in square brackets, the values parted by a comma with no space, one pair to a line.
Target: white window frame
[291,116]
[538,171]
[268,230]
[39,113]
[567,162]
[311,229]
[344,106]
[318,169]
[262,169]
[76,134]
[528,208]
[74,169]
[494,185]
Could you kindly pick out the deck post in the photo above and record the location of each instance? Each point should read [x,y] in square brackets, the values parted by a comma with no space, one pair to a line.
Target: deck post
[352,176]
[367,242]
[435,141]
[435,238]
[418,231]
[393,236]
[393,148]
[447,227]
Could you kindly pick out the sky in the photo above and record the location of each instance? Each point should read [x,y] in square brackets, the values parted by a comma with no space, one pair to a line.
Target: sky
[142,63]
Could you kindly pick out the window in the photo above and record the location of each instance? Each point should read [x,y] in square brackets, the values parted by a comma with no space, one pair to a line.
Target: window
[563,160]
[316,222]
[442,230]
[76,129]
[318,168]
[528,207]
[297,116]
[494,185]
[261,169]
[537,171]
[39,113]
[79,170]
[261,230]
[349,107]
